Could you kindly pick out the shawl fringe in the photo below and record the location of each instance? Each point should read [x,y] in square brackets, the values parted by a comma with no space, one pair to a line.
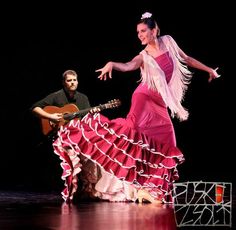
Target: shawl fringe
[174,91]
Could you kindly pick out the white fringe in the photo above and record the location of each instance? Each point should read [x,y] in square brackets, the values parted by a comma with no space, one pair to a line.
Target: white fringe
[173,92]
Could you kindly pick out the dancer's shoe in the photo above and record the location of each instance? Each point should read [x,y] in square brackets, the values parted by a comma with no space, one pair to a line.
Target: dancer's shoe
[143,196]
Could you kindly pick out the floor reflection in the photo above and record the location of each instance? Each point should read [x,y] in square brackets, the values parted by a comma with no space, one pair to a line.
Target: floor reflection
[105,215]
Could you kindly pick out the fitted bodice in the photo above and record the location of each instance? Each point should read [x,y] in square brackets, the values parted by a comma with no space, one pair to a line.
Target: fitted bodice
[166,64]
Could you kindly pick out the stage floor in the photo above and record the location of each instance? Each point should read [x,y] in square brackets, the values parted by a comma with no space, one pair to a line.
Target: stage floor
[47,211]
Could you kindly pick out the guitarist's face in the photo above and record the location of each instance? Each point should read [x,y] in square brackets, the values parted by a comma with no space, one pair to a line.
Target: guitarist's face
[70,83]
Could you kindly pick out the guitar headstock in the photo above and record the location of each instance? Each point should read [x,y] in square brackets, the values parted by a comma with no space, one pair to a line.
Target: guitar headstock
[113,103]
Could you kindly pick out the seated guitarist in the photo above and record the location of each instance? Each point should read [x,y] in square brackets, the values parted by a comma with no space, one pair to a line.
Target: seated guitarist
[65,96]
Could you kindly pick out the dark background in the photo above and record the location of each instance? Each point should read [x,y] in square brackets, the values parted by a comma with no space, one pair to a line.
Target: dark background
[40,41]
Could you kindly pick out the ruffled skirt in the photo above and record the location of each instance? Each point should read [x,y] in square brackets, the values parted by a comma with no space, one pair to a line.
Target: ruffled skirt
[119,150]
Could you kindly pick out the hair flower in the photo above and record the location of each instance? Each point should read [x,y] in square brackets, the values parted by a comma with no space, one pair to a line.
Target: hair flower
[146,15]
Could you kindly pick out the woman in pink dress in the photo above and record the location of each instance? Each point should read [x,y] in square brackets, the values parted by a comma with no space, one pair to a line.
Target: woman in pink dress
[137,155]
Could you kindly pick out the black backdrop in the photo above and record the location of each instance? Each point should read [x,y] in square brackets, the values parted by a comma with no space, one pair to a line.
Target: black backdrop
[40,41]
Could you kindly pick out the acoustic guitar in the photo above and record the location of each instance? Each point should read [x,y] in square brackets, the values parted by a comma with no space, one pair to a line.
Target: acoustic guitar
[70,111]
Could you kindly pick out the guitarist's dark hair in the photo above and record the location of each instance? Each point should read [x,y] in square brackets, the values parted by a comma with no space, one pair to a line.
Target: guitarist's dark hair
[69,71]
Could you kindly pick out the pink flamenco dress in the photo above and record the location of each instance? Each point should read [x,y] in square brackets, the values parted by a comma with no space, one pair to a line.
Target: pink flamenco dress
[136,152]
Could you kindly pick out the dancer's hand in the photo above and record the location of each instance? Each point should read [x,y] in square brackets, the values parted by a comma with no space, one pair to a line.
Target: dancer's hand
[106,71]
[213,74]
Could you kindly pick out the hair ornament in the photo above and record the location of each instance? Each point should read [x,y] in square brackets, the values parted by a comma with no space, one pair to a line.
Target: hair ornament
[146,15]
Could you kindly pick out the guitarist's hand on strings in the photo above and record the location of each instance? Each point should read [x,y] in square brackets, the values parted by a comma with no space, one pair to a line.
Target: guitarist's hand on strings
[56,117]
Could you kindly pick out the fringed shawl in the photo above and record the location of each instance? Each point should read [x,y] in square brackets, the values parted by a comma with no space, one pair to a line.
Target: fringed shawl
[173,92]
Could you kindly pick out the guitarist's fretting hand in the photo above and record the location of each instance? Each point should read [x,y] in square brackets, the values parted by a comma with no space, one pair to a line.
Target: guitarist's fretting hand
[94,110]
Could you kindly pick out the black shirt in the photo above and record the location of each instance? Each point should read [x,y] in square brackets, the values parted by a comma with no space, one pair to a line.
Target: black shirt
[61,98]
